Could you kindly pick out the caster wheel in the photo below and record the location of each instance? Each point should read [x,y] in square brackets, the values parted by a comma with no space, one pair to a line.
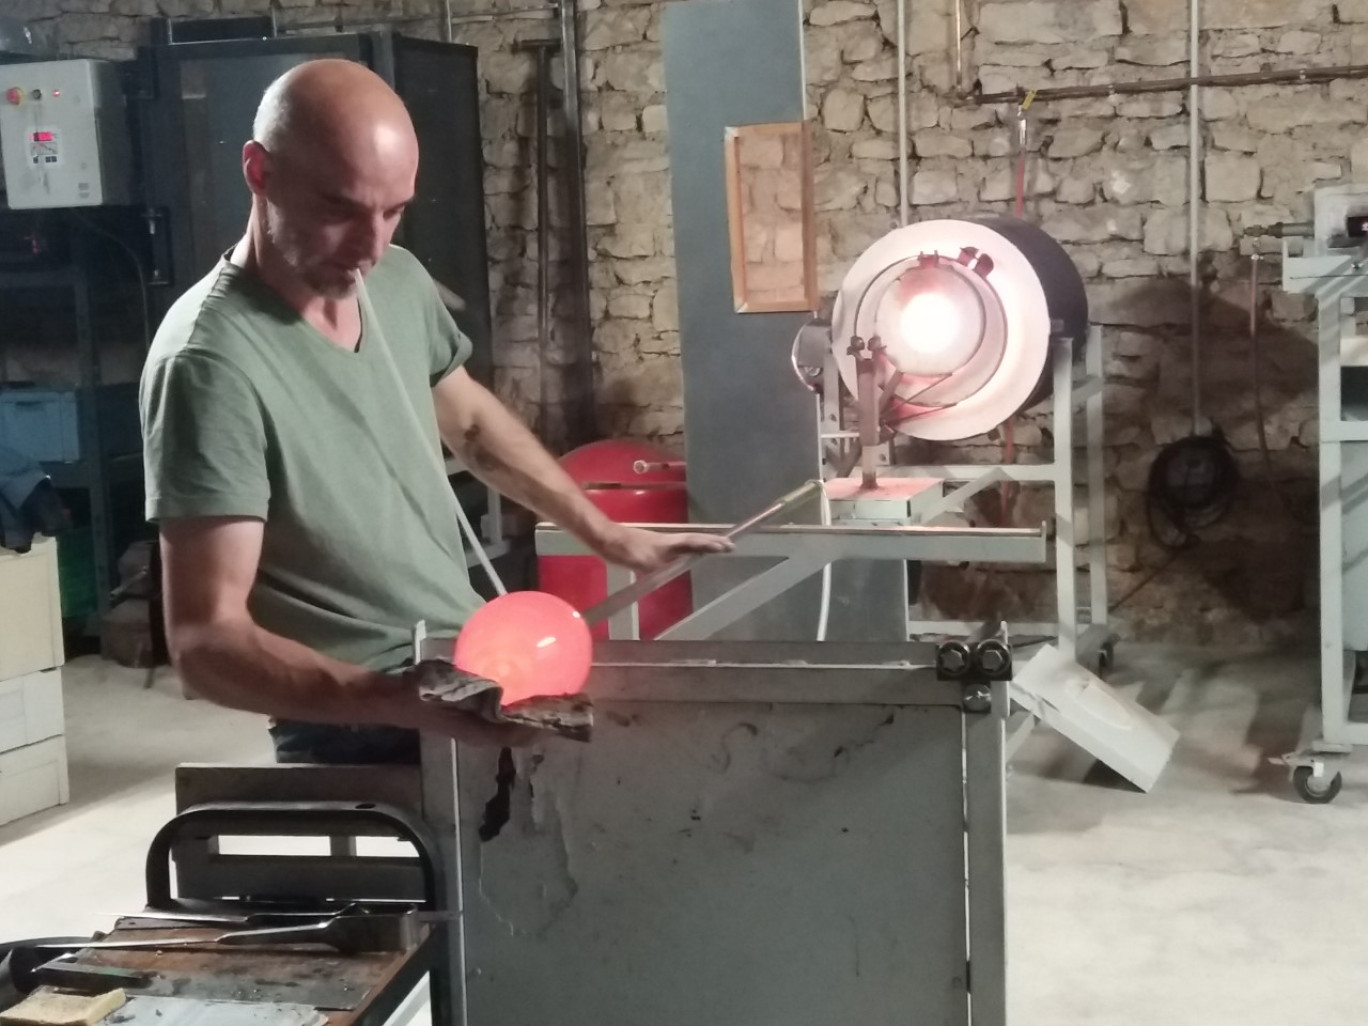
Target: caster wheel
[1317,792]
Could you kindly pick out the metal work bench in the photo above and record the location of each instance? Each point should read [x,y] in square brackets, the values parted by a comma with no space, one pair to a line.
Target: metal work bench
[760,831]
[363,987]
[757,832]
[372,985]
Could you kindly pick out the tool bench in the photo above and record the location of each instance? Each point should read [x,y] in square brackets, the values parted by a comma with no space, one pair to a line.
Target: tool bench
[340,939]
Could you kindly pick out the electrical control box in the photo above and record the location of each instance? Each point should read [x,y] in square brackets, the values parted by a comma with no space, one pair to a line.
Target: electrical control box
[64,134]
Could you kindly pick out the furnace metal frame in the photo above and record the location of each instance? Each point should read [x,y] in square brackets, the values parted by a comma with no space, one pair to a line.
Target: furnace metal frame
[804,550]
[1082,630]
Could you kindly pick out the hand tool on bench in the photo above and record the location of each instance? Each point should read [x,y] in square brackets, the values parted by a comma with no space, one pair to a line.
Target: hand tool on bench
[348,934]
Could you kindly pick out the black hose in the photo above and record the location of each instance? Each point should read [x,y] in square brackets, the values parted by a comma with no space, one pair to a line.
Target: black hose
[1192,485]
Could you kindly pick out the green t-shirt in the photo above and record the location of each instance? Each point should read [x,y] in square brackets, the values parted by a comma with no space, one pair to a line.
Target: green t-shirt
[249,411]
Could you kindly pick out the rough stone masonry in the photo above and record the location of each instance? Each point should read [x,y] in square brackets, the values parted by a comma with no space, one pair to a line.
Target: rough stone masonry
[1108,178]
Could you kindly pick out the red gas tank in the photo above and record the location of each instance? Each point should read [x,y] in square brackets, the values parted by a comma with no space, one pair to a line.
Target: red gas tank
[657,495]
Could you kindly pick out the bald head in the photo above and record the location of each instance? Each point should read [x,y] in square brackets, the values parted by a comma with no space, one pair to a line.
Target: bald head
[334,109]
[332,163]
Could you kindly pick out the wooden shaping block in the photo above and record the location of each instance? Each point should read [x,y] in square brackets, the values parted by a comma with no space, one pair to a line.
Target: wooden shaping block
[49,1007]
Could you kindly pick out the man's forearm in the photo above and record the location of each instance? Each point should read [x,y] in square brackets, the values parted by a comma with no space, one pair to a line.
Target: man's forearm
[505,455]
[499,449]
[242,666]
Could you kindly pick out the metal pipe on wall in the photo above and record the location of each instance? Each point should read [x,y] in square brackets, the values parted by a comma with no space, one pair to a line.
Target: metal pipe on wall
[543,11]
[544,49]
[579,369]
[543,226]
[580,427]
[959,48]
[902,112]
[1195,206]
[1293,76]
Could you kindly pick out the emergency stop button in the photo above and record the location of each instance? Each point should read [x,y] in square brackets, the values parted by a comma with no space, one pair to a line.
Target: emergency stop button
[14,95]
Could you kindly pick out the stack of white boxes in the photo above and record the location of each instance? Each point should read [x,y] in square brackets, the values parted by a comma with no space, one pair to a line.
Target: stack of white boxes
[33,763]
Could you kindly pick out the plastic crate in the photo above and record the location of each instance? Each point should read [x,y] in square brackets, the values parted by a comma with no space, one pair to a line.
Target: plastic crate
[44,423]
[40,423]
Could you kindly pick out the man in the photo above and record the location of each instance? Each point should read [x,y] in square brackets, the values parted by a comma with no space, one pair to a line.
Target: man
[292,404]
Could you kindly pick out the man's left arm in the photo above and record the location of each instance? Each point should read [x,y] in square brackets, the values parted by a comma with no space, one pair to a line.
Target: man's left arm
[500,450]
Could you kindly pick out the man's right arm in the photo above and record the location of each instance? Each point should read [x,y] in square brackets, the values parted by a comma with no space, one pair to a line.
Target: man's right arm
[208,491]
[208,566]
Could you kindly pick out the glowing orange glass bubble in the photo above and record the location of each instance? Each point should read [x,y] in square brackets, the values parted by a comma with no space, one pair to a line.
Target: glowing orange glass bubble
[530,643]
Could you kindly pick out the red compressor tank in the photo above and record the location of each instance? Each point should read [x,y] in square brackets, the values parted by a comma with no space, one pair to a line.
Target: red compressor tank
[657,495]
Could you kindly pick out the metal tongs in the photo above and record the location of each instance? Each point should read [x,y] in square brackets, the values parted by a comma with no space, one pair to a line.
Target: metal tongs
[346,933]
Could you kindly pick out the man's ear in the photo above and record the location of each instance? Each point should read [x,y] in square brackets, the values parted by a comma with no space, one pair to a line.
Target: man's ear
[256,166]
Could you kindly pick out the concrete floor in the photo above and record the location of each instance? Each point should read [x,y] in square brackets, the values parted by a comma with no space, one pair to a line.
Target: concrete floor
[1219,898]
[61,869]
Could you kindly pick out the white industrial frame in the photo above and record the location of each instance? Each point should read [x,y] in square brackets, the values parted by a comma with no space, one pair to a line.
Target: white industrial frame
[1050,687]
[805,550]
[1337,281]
[1138,748]
[1089,642]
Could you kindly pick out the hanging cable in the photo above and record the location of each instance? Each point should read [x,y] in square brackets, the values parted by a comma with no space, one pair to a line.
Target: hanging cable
[137,267]
[1147,580]
[1192,485]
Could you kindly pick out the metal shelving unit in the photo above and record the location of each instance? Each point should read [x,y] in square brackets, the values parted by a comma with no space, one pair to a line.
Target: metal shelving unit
[97,470]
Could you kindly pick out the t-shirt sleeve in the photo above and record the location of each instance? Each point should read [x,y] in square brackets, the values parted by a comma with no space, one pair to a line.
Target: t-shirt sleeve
[450,346]
[204,440]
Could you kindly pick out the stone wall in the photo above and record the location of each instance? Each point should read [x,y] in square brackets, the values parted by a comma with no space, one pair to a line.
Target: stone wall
[627,193]
[1108,177]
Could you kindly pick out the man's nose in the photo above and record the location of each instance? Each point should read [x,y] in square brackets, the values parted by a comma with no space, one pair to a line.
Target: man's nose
[372,236]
